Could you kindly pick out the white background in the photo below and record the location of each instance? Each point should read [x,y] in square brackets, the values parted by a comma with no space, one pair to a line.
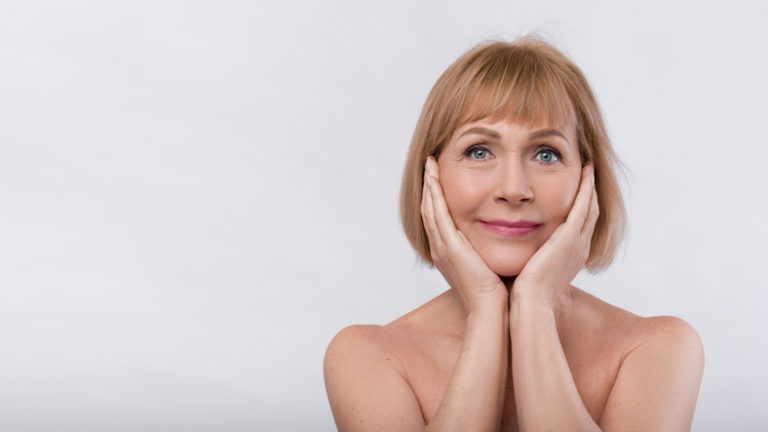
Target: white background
[195,196]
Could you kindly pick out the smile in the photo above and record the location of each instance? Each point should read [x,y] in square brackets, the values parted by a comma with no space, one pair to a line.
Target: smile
[510,231]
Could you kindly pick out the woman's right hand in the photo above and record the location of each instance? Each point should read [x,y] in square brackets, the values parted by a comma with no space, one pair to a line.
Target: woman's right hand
[452,254]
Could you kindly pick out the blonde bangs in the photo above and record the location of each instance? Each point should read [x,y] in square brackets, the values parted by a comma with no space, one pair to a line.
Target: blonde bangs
[518,87]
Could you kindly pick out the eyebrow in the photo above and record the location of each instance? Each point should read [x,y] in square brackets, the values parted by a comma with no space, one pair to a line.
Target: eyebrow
[493,134]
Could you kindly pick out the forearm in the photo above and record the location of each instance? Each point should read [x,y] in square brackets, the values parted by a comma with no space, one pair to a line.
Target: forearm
[474,398]
[545,393]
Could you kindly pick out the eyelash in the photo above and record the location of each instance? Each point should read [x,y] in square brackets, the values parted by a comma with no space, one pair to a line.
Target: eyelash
[469,151]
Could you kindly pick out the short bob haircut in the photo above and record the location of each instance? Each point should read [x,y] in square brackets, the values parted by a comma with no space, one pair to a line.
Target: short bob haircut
[522,81]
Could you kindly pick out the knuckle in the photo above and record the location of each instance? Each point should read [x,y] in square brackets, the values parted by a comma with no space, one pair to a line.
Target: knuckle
[432,233]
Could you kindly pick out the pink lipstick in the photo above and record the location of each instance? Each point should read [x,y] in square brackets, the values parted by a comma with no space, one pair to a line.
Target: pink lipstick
[510,228]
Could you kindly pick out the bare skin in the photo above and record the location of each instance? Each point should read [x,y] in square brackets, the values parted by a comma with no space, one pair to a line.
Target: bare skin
[423,346]
[595,336]
[531,352]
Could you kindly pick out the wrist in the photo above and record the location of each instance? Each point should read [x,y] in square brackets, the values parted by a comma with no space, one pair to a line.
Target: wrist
[484,296]
[555,297]
[489,305]
[529,299]
[531,307]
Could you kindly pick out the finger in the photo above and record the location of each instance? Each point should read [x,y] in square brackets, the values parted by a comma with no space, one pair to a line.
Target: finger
[578,214]
[592,202]
[594,213]
[427,213]
[442,215]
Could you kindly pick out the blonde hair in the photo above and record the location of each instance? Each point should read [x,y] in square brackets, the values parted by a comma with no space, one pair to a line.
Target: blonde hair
[523,80]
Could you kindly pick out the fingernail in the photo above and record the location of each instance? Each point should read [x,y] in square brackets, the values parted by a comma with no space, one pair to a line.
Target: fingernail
[428,166]
[429,182]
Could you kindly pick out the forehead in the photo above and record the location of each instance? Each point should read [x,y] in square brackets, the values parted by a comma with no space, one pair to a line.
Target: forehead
[505,128]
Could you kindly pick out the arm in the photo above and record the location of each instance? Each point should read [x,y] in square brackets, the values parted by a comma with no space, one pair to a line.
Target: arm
[475,395]
[545,393]
[368,393]
[658,381]
[655,390]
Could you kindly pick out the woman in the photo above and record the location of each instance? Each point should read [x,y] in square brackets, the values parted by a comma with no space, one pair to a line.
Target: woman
[509,190]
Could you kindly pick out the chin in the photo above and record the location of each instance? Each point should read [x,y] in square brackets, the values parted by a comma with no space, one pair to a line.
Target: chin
[509,262]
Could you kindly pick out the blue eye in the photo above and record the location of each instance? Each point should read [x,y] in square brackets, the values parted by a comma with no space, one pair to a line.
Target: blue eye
[477,153]
[548,155]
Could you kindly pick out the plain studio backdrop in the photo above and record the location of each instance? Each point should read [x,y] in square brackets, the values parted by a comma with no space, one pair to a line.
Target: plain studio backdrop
[195,196]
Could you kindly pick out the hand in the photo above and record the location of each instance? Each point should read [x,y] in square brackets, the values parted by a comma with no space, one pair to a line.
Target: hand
[452,253]
[551,269]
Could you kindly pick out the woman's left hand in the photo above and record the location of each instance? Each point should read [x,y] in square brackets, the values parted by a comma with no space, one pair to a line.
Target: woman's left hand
[549,272]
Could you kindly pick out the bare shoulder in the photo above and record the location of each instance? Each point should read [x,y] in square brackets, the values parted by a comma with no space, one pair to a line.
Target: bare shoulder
[668,334]
[391,345]
[655,366]
[633,330]
[668,325]
[360,343]
[658,382]
[365,383]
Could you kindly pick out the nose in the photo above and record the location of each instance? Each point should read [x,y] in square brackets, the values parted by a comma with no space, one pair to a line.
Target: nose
[513,184]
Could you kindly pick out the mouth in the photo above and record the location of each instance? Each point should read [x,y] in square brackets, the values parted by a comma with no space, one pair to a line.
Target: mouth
[510,229]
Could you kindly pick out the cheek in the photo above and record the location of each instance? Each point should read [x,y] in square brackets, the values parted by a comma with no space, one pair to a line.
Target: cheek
[460,191]
[560,194]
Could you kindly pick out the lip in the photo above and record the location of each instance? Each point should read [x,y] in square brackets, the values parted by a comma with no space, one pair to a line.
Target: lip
[510,228]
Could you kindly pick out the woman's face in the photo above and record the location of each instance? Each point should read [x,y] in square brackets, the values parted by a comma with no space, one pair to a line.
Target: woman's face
[499,174]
